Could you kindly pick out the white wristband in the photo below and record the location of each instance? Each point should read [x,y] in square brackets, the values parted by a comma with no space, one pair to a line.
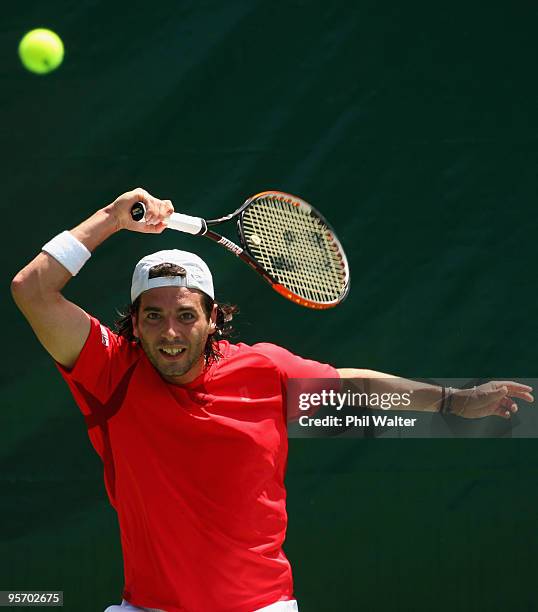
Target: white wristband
[68,251]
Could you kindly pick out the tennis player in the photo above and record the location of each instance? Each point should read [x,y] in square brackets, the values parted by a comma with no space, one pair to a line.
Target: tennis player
[191,428]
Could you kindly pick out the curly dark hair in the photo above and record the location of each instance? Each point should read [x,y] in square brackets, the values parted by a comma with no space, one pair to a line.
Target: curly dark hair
[225,313]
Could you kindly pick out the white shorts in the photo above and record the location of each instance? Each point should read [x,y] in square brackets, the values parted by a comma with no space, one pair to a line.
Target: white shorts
[279,606]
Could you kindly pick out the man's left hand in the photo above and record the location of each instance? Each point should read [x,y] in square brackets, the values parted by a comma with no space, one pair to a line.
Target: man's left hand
[495,397]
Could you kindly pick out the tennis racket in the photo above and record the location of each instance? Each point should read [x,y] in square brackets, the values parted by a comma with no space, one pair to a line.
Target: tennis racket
[285,240]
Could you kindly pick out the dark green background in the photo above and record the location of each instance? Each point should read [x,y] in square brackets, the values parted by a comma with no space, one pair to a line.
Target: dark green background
[413,127]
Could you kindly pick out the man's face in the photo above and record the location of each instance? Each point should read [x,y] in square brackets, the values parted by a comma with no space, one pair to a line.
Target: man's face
[173,327]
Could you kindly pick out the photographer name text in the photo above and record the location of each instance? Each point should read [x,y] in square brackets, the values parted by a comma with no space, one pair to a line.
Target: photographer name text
[381,420]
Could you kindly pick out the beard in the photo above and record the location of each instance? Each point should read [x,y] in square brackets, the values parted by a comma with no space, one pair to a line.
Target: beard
[172,369]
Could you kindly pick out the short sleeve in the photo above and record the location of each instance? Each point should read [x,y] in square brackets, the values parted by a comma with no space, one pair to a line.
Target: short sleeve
[300,376]
[103,361]
[293,366]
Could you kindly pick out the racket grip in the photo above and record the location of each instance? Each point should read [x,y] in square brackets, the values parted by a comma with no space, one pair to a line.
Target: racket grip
[176,221]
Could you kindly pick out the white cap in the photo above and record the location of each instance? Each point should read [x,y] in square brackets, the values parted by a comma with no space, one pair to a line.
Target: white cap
[197,274]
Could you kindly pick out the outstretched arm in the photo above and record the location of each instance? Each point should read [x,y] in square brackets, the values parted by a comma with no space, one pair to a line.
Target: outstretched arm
[61,326]
[492,398]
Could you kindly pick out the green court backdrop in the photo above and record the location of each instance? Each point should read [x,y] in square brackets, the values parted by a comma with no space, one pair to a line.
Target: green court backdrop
[413,127]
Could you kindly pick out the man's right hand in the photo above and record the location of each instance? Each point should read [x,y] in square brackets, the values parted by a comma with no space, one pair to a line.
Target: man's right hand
[61,326]
[156,212]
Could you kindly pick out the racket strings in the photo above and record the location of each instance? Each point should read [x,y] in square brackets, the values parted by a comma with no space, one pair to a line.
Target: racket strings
[296,248]
[306,260]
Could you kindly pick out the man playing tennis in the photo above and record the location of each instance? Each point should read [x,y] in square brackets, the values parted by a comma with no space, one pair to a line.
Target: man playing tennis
[191,429]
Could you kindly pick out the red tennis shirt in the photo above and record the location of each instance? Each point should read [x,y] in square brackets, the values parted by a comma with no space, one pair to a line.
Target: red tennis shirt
[195,472]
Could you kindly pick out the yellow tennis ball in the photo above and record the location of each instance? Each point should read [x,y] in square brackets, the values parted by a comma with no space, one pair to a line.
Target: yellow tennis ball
[41,50]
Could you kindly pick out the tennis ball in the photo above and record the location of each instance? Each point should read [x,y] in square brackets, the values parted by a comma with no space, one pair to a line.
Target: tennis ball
[41,50]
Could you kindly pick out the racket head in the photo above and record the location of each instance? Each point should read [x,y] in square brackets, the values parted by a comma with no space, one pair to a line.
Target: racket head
[295,245]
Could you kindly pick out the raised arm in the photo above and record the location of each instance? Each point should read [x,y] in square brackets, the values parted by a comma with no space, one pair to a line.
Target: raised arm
[61,326]
[492,398]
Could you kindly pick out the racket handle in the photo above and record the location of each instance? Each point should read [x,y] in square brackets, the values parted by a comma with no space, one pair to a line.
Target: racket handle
[176,221]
